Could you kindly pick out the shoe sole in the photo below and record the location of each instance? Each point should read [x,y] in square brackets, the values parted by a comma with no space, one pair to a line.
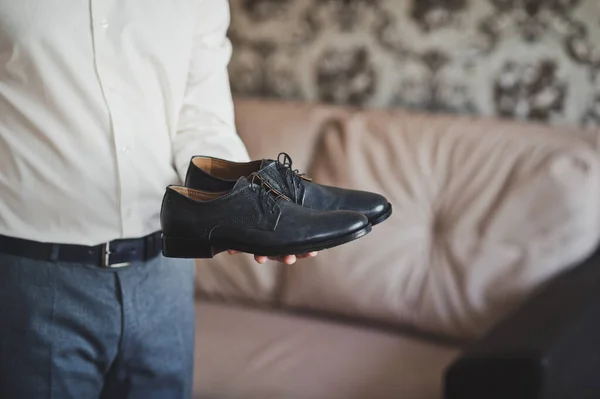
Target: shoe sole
[382,216]
[186,248]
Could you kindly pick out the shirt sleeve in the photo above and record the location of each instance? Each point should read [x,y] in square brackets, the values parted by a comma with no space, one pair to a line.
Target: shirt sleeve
[206,122]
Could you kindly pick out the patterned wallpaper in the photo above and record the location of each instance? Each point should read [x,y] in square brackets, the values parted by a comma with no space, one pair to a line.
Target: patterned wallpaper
[523,59]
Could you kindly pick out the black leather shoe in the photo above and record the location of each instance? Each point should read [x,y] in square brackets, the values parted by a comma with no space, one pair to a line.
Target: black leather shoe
[213,174]
[251,218]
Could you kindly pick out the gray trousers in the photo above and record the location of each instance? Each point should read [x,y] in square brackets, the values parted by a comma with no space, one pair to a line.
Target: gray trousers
[82,332]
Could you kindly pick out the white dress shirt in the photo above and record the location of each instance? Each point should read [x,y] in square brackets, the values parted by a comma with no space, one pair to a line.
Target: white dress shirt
[102,105]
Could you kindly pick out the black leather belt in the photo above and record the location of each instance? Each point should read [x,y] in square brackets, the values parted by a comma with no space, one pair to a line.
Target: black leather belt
[117,253]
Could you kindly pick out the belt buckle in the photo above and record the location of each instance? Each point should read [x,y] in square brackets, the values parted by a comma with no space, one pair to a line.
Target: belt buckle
[106,258]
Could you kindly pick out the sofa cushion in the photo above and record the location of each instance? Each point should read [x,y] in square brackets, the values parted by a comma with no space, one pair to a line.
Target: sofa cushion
[484,213]
[237,278]
[267,128]
[253,354]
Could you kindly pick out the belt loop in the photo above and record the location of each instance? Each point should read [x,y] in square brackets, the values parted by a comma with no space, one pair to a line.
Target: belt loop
[54,252]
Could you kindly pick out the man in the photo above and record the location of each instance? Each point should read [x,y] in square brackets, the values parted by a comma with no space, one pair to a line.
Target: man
[102,104]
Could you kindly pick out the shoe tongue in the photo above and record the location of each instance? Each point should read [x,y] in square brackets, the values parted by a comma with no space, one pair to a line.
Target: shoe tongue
[266,162]
[241,183]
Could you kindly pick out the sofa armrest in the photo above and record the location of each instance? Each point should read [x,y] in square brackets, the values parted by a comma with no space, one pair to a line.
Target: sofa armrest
[548,349]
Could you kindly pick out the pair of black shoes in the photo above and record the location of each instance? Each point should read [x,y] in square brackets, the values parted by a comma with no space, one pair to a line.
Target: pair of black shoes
[263,208]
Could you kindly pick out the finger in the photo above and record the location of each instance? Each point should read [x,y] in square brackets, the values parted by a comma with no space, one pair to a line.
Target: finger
[289,259]
[260,259]
[307,255]
[232,252]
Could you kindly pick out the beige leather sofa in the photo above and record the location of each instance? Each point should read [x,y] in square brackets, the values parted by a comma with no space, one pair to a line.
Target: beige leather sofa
[485,214]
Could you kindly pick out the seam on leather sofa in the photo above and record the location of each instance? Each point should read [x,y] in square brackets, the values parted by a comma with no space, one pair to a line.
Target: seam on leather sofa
[357,322]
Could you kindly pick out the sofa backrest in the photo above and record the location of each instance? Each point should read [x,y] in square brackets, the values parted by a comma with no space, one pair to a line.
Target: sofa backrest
[485,212]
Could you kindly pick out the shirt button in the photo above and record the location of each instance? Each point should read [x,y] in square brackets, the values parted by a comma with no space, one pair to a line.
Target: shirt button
[126,149]
[104,23]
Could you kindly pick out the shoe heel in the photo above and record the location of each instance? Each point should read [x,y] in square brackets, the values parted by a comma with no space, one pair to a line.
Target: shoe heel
[184,248]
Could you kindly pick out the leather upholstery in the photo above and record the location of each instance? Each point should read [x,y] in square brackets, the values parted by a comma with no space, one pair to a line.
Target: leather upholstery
[485,212]
[246,353]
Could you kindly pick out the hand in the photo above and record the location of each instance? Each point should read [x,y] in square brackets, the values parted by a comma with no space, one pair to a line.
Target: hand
[287,259]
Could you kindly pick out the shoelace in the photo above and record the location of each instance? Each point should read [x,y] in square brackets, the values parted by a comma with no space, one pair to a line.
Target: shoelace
[265,192]
[293,176]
